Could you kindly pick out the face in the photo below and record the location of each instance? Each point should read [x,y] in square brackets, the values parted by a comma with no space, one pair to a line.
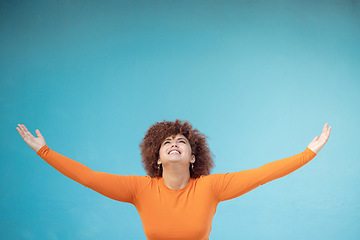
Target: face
[176,150]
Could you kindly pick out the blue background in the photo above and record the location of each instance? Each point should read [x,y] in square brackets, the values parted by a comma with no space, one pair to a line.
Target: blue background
[259,78]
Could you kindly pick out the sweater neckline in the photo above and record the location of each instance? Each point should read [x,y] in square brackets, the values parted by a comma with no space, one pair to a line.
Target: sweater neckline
[175,190]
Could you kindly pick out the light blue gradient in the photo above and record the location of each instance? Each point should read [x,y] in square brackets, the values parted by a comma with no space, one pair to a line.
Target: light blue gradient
[259,78]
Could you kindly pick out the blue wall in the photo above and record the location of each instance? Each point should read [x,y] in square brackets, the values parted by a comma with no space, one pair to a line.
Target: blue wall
[259,78]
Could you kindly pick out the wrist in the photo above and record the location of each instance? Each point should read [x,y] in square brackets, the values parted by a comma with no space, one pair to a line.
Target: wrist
[314,150]
[37,148]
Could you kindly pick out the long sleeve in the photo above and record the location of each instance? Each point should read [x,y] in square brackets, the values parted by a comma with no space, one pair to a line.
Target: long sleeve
[118,187]
[230,185]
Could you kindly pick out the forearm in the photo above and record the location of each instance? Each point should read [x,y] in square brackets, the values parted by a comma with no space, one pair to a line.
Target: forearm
[283,167]
[117,187]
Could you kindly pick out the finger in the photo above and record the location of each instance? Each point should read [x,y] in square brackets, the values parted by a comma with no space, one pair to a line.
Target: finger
[325,127]
[23,136]
[28,134]
[23,129]
[328,133]
[325,136]
[28,137]
[38,134]
[26,131]
[20,128]
[20,131]
[325,131]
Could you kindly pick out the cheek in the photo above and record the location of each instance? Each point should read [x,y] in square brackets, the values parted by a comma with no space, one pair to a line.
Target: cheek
[188,150]
[162,152]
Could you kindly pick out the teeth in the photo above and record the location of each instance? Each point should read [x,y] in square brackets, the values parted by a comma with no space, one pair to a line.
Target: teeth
[174,151]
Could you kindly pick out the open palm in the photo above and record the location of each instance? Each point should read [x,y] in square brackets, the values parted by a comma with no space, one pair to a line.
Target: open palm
[318,142]
[33,142]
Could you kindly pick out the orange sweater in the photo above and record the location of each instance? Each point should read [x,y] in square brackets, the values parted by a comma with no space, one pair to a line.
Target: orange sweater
[175,214]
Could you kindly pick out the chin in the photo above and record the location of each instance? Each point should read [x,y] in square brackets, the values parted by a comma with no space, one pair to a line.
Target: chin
[175,159]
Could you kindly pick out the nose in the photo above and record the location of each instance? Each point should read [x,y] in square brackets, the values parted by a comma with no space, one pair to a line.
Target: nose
[174,144]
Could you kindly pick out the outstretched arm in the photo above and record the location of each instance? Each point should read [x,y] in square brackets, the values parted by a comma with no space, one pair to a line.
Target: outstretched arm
[118,187]
[230,185]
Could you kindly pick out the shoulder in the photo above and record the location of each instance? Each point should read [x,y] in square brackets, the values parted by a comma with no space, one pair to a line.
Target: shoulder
[145,181]
[140,179]
[211,178]
[136,181]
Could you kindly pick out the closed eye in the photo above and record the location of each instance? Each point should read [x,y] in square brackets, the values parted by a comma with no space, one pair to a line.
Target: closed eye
[182,141]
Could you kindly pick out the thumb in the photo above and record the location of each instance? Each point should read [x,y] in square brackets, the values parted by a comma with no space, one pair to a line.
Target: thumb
[38,133]
[315,139]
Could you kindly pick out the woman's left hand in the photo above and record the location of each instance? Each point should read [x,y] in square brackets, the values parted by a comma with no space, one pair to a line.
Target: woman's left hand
[318,142]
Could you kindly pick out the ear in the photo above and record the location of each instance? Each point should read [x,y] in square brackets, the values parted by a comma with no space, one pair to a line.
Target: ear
[158,162]
[192,159]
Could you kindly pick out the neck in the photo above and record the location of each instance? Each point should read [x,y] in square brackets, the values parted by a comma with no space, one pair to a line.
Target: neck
[175,179]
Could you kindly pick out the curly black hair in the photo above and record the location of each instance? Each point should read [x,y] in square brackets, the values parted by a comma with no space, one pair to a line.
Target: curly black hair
[158,132]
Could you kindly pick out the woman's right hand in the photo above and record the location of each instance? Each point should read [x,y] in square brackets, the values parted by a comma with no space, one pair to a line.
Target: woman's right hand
[33,142]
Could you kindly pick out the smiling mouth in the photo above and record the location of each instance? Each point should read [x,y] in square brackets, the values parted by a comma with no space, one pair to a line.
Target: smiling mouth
[174,152]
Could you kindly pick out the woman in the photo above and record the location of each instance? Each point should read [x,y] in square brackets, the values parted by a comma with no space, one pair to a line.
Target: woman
[179,196]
